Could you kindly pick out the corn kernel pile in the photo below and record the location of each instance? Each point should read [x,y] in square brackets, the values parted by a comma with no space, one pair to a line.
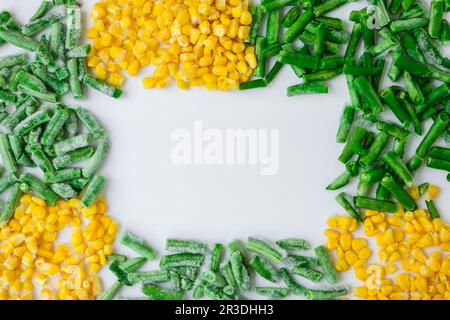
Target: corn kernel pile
[30,257]
[412,264]
[195,42]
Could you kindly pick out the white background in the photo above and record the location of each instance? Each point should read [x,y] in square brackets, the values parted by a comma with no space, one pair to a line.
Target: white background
[155,199]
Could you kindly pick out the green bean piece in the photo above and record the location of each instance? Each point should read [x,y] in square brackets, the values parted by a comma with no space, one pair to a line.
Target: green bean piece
[54,126]
[341,181]
[414,163]
[43,8]
[158,293]
[192,246]
[7,154]
[185,259]
[354,96]
[134,243]
[63,190]
[331,22]
[93,188]
[273,72]
[308,39]
[429,51]
[214,293]
[365,89]
[30,81]
[295,288]
[319,43]
[399,167]
[73,23]
[434,213]
[264,249]
[412,88]
[313,294]
[434,97]
[74,82]
[78,183]
[62,175]
[375,150]
[322,75]
[297,27]
[308,273]
[368,33]
[298,59]
[111,292]
[75,142]
[345,201]
[445,32]
[257,14]
[32,121]
[252,84]
[72,124]
[227,273]
[19,40]
[423,188]
[345,124]
[198,292]
[48,96]
[331,62]
[79,52]
[408,24]
[8,96]
[271,49]
[39,187]
[360,70]
[216,257]
[273,26]
[49,80]
[102,86]
[400,147]
[328,269]
[240,272]
[440,153]
[399,193]
[131,265]
[11,203]
[291,16]
[439,164]
[7,181]
[381,13]
[16,146]
[375,204]
[97,159]
[37,25]
[413,116]
[90,122]
[307,88]
[293,261]
[272,292]
[12,60]
[412,48]
[156,276]
[393,130]
[382,193]
[264,268]
[214,279]
[269,5]
[293,244]
[72,157]
[333,35]
[436,130]
[353,42]
[328,6]
[260,69]
[40,158]
[436,16]
[355,138]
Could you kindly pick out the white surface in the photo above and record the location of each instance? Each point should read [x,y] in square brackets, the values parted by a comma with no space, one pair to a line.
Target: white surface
[155,199]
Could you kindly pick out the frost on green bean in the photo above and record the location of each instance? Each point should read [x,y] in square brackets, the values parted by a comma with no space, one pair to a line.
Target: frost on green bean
[192,246]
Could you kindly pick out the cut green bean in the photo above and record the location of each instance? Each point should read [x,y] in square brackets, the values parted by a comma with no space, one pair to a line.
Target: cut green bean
[434,213]
[293,261]
[62,175]
[399,193]
[11,203]
[12,60]
[375,150]
[408,24]
[72,157]
[353,42]
[54,126]
[49,80]
[440,153]
[63,190]
[227,273]
[102,86]
[111,292]
[313,294]
[412,88]
[257,14]
[291,16]
[273,26]
[156,276]
[293,244]
[346,202]
[134,243]
[310,274]
[322,75]
[40,158]
[48,96]
[216,257]
[375,204]
[434,97]
[297,27]
[296,288]
[75,142]
[439,164]
[264,268]
[131,265]
[436,130]
[31,122]
[7,154]
[341,181]
[393,130]
[252,84]
[329,271]
[307,88]
[73,23]
[345,124]
[272,292]
[399,167]
[97,159]
[327,6]
[436,16]
[192,246]
[79,52]
[30,81]
[158,293]
[93,188]
[74,81]
[260,70]
[184,259]
[19,40]
[40,188]
[365,89]
[264,249]
[273,72]
[355,138]
[37,25]
[240,272]
[90,122]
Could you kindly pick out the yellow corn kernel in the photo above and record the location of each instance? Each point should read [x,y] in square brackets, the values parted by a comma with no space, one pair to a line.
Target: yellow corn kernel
[351,257]
[426,271]
[332,244]
[332,234]
[432,191]
[402,280]
[365,253]
[245,18]
[345,241]
[360,292]
[341,265]
[361,274]
[369,228]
